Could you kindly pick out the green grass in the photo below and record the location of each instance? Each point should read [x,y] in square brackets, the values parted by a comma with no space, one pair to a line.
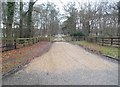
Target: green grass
[109,51]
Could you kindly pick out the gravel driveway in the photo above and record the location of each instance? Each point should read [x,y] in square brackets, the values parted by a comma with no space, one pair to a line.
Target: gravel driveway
[66,64]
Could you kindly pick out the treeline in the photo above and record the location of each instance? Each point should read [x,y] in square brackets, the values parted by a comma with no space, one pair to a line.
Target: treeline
[27,20]
[30,19]
[92,19]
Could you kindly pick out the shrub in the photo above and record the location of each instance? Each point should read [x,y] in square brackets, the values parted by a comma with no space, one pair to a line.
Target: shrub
[77,33]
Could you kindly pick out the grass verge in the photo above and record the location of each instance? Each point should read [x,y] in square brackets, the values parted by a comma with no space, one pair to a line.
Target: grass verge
[105,50]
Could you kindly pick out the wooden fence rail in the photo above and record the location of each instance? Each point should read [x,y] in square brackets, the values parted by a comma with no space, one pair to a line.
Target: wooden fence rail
[21,42]
[104,41]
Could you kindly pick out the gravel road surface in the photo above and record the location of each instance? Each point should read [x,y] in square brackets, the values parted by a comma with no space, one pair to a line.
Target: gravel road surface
[66,64]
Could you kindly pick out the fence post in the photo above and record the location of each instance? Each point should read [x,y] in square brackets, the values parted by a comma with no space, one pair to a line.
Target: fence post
[29,41]
[33,40]
[96,39]
[24,43]
[90,39]
[15,43]
[102,41]
[37,39]
[83,37]
[111,41]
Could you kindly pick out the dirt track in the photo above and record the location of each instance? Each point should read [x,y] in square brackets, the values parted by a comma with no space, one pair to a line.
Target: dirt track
[66,64]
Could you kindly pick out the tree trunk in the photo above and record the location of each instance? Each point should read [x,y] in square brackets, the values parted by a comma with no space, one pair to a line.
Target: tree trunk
[4,18]
[21,19]
[119,18]
[119,12]
[9,30]
[29,20]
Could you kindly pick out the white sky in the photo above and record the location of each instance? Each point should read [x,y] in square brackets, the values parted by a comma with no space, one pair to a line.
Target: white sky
[61,3]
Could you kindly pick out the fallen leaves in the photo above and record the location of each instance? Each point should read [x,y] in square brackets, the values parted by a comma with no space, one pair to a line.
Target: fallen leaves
[14,58]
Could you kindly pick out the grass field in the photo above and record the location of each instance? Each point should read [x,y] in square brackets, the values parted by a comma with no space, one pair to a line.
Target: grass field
[109,51]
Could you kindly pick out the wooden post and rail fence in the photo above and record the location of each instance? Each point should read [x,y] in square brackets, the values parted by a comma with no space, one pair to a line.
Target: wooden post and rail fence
[104,41]
[22,42]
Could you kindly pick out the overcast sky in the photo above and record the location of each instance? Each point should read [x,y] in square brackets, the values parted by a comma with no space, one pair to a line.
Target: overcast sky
[61,3]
